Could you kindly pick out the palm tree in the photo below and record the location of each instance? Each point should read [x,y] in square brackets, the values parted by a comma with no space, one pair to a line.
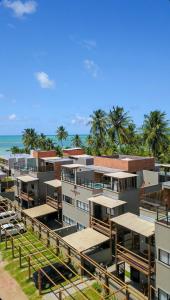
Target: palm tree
[155,132]
[98,124]
[118,121]
[30,139]
[76,141]
[49,144]
[61,134]
[42,141]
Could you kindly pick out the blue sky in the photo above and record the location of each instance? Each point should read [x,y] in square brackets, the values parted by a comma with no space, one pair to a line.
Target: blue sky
[62,59]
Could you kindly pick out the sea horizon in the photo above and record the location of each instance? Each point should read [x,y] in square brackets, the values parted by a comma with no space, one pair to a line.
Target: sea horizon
[8,141]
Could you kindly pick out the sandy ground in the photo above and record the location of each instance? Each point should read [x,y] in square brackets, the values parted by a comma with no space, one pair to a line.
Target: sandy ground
[9,288]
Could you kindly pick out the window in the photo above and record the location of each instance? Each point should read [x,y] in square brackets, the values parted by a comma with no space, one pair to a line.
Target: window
[82,205]
[163,295]
[164,257]
[80,226]
[68,221]
[110,212]
[68,200]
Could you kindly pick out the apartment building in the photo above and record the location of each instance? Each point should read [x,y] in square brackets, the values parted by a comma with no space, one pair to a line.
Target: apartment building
[135,252]
[162,241]
[31,183]
[81,184]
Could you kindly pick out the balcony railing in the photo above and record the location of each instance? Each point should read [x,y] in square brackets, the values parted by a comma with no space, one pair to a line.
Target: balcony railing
[83,182]
[136,260]
[163,215]
[54,202]
[27,196]
[101,226]
[35,169]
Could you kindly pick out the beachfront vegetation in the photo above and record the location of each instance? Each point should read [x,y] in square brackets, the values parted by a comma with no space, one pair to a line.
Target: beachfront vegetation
[110,133]
[76,141]
[61,134]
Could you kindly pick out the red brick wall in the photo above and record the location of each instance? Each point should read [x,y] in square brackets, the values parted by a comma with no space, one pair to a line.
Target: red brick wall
[133,165]
[111,163]
[40,154]
[67,152]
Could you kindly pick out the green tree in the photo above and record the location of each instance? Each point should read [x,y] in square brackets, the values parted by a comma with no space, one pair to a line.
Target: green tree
[61,134]
[41,141]
[98,130]
[30,139]
[49,145]
[16,150]
[76,141]
[118,121]
[156,132]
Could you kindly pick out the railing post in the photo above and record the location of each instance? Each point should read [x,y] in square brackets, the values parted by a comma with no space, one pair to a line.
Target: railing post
[6,245]
[20,262]
[29,267]
[39,281]
[0,234]
[12,244]
[48,241]
[127,294]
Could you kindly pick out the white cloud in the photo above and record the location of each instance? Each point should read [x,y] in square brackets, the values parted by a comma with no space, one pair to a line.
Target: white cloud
[92,67]
[44,80]
[12,117]
[80,120]
[88,44]
[21,8]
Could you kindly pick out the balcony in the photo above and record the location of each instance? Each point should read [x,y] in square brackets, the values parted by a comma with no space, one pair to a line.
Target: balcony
[83,182]
[27,196]
[55,203]
[136,260]
[40,169]
[103,227]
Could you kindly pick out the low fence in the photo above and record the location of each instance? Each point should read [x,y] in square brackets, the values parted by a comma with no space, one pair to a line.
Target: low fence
[112,285]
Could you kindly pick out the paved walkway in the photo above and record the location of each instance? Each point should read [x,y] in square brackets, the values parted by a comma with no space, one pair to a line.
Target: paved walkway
[70,289]
[9,288]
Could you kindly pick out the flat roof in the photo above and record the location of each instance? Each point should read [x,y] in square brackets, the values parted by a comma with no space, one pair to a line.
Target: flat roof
[39,211]
[165,165]
[135,224]
[120,175]
[81,156]
[166,184]
[73,166]
[101,169]
[18,155]
[85,239]
[54,183]
[27,178]
[106,201]
[56,159]
[76,148]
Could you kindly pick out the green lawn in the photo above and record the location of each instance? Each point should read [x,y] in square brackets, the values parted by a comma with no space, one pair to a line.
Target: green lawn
[21,274]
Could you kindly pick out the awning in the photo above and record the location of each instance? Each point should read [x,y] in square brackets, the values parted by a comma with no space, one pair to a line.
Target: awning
[54,183]
[106,201]
[85,239]
[39,211]
[27,178]
[135,224]
[120,175]
[73,166]
[165,165]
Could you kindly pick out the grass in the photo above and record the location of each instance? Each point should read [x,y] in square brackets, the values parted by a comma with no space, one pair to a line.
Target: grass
[21,274]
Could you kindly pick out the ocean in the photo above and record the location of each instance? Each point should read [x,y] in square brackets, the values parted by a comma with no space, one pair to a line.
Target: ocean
[8,141]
